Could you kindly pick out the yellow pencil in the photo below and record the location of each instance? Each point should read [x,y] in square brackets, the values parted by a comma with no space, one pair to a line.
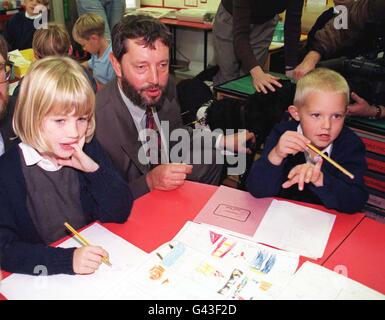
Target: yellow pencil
[84,241]
[342,169]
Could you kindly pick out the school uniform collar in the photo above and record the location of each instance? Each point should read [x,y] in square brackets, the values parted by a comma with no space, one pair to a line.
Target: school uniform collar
[32,157]
[327,151]
[32,17]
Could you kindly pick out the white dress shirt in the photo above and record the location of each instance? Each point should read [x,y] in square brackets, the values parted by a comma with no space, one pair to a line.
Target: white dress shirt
[309,159]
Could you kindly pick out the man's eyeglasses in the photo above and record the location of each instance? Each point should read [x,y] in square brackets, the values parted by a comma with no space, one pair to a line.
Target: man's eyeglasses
[5,71]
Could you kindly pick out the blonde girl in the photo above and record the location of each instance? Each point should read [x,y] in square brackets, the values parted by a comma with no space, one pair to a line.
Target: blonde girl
[58,172]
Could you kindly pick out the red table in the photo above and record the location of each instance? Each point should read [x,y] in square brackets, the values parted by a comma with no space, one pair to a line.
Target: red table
[362,254]
[158,216]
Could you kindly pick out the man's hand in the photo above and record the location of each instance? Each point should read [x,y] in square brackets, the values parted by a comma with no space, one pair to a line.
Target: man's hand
[241,141]
[168,176]
[361,107]
[305,173]
[263,81]
[291,142]
[307,65]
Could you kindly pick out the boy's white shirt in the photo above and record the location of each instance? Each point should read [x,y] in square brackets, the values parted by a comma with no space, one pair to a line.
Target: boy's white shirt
[32,17]
[327,150]
[32,157]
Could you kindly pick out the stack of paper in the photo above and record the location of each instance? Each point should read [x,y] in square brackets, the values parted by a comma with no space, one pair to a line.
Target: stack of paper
[155,12]
[201,262]
[21,61]
[295,228]
[313,282]
[281,224]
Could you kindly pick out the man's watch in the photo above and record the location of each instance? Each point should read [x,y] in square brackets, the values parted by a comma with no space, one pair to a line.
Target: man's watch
[378,113]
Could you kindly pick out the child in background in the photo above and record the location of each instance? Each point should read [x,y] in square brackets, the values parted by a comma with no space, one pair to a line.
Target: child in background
[51,41]
[20,28]
[57,173]
[55,41]
[289,169]
[88,31]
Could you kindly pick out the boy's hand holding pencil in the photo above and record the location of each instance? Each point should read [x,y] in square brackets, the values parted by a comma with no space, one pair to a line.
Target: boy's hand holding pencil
[291,142]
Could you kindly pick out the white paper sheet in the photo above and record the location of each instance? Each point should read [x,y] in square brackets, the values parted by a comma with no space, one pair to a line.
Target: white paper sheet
[313,282]
[204,263]
[124,258]
[295,228]
[17,58]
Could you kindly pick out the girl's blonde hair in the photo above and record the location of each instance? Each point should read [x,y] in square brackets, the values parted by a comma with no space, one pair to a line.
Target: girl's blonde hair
[52,86]
[320,80]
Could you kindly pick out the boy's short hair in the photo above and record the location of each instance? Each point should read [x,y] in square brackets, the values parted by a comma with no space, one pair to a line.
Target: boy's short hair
[52,86]
[53,41]
[88,24]
[142,27]
[320,80]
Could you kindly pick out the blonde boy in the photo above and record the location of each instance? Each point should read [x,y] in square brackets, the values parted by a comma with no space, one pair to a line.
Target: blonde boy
[88,31]
[290,170]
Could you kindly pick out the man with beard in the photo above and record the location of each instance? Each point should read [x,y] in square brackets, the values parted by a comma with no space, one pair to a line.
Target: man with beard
[142,97]
[5,115]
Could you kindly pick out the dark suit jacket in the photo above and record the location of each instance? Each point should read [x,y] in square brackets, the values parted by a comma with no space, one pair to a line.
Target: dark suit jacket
[117,133]
[6,129]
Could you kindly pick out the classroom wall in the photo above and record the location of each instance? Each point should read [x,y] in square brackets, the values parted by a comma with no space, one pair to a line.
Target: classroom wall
[57,11]
[190,44]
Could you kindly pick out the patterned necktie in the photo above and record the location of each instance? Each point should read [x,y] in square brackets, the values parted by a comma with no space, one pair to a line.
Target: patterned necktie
[151,124]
